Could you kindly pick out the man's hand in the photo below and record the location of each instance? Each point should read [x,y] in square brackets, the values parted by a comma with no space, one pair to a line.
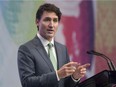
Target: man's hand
[67,70]
[80,71]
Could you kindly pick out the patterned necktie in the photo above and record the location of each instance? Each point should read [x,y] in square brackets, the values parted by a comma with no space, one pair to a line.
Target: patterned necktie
[51,55]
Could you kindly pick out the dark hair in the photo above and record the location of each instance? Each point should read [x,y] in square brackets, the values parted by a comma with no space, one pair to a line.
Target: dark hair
[50,8]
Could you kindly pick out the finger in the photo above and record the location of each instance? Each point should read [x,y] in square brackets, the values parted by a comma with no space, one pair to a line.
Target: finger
[78,64]
[70,68]
[83,69]
[86,65]
[82,72]
[71,64]
[73,67]
[70,71]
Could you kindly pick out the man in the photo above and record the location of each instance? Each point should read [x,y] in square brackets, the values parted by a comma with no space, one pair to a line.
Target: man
[36,66]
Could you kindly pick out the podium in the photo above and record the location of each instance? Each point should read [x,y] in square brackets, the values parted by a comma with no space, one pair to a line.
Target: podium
[103,79]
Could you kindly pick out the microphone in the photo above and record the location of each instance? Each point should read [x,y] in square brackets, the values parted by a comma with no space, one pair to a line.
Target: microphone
[109,61]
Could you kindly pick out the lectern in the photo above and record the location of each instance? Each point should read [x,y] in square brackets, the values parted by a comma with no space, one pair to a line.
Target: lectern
[105,78]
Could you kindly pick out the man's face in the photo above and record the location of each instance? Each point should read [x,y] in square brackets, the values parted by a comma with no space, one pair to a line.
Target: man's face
[48,25]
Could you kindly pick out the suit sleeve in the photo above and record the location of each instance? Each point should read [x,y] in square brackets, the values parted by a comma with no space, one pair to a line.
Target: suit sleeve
[27,70]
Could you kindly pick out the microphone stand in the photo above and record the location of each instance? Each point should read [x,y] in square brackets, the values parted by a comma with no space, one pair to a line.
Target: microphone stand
[109,61]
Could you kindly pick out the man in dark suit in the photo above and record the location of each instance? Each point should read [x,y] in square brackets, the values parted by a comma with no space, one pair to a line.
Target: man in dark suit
[36,67]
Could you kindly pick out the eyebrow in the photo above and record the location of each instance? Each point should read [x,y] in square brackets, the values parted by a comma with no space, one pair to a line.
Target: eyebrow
[50,18]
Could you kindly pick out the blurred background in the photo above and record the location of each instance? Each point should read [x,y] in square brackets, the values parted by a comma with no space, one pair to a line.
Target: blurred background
[85,25]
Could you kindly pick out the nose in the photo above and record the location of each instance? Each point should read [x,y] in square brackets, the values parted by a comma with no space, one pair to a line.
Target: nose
[51,24]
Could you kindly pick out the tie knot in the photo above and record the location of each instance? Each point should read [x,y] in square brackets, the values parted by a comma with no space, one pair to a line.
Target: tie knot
[50,45]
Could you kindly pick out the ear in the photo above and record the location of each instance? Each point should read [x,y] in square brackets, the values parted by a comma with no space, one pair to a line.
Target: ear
[37,22]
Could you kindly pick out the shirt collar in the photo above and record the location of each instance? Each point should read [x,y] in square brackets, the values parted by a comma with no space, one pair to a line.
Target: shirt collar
[44,41]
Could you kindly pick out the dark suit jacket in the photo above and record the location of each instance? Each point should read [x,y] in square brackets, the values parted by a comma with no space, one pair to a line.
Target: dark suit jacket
[35,67]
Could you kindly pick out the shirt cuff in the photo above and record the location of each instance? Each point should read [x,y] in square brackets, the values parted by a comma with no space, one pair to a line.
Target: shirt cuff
[57,76]
[75,80]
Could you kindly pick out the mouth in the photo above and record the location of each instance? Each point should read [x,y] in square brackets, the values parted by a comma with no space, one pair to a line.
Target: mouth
[50,31]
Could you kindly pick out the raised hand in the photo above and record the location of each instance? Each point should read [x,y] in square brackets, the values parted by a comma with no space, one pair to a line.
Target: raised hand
[80,71]
[67,70]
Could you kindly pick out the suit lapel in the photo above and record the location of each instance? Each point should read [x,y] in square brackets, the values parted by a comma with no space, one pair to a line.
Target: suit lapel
[43,53]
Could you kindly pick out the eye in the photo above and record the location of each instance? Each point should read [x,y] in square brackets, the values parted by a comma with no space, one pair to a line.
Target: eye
[55,19]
